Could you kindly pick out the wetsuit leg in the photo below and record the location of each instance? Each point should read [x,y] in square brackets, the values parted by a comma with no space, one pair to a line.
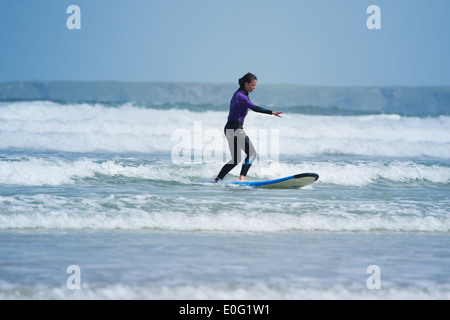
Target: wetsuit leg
[251,156]
[233,145]
[237,141]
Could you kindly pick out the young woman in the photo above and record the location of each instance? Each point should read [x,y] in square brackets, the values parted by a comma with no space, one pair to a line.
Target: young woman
[234,129]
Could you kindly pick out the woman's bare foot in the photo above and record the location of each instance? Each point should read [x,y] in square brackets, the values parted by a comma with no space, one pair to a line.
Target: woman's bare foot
[241,179]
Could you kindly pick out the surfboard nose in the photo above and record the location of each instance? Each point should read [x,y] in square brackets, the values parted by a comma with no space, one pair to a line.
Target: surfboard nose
[309,174]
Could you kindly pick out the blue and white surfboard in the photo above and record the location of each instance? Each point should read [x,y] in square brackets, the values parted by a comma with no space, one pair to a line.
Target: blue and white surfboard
[295,181]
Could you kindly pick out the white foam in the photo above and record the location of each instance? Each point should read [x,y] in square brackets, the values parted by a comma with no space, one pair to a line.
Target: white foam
[225,292]
[158,212]
[362,173]
[33,171]
[377,135]
[94,127]
[37,172]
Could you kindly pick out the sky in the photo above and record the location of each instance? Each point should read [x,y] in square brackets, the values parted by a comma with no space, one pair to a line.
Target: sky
[305,42]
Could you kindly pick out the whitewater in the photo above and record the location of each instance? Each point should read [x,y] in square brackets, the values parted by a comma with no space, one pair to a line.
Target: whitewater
[45,125]
[123,191]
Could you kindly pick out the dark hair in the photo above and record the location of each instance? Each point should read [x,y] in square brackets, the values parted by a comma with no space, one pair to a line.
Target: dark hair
[249,77]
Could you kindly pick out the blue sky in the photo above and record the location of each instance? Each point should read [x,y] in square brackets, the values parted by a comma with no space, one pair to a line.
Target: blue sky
[307,42]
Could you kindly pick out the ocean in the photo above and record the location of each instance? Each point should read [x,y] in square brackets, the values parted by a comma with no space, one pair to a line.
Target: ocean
[114,200]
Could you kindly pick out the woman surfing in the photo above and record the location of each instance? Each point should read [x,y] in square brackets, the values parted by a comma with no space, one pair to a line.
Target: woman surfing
[234,128]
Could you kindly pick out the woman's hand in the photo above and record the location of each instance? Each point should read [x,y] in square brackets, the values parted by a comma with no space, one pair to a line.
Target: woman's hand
[277,113]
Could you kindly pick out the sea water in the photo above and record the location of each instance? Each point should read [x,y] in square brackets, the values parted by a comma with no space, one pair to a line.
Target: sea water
[115,201]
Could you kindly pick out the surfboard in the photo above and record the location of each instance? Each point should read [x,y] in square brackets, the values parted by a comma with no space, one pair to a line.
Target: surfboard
[295,181]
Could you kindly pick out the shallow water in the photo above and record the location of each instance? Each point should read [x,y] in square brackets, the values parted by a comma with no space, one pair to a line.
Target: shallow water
[127,198]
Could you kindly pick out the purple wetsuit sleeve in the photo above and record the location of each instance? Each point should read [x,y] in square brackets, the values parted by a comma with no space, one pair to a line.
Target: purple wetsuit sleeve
[246,101]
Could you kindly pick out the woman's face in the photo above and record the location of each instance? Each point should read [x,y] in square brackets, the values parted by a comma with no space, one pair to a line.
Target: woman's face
[250,86]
